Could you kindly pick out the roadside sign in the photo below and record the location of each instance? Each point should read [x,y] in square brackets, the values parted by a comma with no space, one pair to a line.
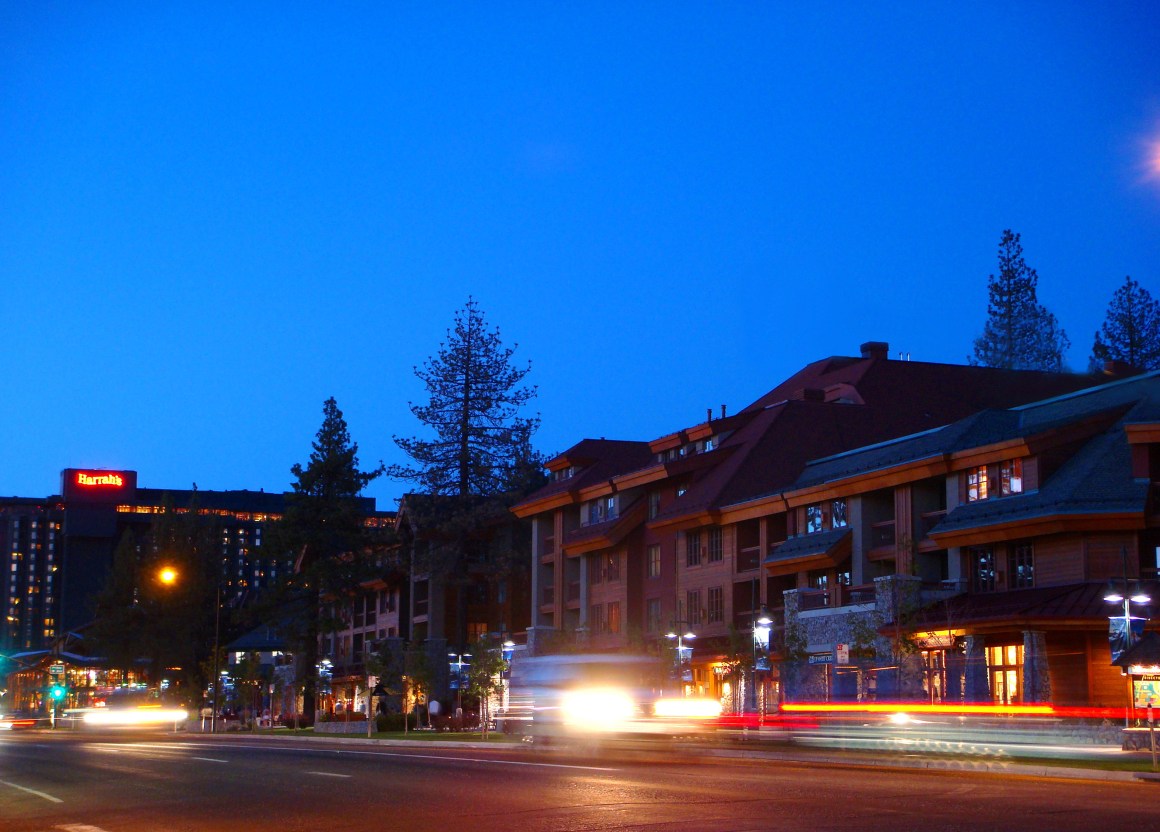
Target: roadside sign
[56,669]
[842,653]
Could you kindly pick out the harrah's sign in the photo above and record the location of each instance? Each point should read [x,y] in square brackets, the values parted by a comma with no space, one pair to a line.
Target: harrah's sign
[96,480]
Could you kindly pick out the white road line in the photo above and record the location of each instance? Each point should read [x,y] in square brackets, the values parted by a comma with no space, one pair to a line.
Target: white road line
[329,774]
[79,827]
[444,758]
[209,759]
[47,797]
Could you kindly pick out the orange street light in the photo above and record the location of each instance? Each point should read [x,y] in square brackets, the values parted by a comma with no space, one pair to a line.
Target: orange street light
[167,575]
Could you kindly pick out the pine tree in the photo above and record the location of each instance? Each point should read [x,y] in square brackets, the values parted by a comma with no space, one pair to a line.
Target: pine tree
[323,526]
[1131,330]
[481,443]
[1020,334]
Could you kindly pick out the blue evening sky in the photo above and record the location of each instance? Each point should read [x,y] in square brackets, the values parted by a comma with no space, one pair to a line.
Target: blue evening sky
[213,216]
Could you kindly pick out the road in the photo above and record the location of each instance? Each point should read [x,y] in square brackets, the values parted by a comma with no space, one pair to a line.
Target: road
[137,782]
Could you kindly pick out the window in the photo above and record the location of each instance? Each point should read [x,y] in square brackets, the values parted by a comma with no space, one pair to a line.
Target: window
[1005,665]
[613,620]
[693,612]
[693,548]
[654,504]
[821,517]
[596,618]
[595,572]
[838,515]
[654,560]
[612,566]
[652,620]
[814,519]
[982,570]
[977,484]
[714,538]
[1011,477]
[1021,566]
[716,608]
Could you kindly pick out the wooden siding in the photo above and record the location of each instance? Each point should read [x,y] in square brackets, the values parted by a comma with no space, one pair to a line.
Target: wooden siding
[1059,561]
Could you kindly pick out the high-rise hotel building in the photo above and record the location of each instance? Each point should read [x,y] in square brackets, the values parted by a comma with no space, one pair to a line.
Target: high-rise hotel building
[58,551]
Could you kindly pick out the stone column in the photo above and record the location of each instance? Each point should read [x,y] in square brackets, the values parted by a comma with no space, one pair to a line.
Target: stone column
[1036,674]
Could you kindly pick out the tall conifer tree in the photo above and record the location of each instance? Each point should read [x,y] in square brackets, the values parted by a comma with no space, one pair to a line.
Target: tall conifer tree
[481,444]
[323,527]
[1020,334]
[1131,330]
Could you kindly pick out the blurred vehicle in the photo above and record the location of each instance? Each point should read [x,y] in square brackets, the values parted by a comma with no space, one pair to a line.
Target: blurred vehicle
[17,721]
[598,697]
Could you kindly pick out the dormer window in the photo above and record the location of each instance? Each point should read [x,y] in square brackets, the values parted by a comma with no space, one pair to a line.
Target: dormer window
[564,473]
[822,517]
[977,484]
[602,509]
[710,443]
[1011,477]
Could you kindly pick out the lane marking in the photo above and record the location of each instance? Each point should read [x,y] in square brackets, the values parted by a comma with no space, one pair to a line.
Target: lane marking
[47,797]
[329,774]
[79,827]
[209,759]
[443,758]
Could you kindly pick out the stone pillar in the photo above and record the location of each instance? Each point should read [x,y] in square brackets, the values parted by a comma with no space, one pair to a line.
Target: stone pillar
[976,687]
[1036,674]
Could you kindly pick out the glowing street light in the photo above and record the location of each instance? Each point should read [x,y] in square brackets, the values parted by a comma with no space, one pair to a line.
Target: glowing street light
[167,575]
[681,654]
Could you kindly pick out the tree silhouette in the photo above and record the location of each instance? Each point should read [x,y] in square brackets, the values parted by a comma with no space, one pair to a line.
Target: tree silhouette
[1131,330]
[1020,334]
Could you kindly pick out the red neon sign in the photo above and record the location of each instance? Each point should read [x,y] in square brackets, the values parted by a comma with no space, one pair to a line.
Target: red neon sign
[100,480]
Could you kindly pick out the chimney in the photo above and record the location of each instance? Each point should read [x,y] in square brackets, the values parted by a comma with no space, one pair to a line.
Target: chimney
[876,349]
[722,411]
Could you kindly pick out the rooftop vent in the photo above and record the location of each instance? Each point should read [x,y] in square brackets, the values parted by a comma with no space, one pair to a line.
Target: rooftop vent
[876,349]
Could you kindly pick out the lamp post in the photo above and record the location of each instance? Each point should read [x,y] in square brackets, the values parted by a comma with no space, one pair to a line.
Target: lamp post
[458,679]
[217,634]
[681,648]
[761,630]
[1127,597]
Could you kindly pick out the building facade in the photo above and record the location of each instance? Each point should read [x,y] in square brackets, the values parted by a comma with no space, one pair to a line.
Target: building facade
[636,543]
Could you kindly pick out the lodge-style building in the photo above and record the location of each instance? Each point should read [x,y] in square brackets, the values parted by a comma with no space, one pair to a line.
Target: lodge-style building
[707,529]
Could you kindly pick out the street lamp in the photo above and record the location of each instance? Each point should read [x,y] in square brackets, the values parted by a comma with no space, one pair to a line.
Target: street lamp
[681,648]
[457,680]
[1127,597]
[761,630]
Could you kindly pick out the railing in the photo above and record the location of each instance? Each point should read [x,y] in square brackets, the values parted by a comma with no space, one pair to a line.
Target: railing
[861,594]
[748,557]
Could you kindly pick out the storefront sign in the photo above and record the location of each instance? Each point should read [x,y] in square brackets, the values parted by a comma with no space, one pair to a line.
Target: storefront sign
[822,658]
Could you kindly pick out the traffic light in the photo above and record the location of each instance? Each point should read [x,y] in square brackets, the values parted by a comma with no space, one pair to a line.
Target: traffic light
[56,692]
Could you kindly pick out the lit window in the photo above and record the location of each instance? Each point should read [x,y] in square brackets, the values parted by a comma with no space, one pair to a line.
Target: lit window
[977,484]
[1011,477]
[613,616]
[838,518]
